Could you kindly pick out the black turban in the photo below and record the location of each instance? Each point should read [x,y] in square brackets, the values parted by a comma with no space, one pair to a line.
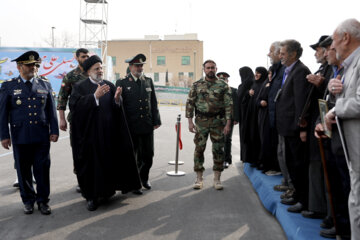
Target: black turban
[90,62]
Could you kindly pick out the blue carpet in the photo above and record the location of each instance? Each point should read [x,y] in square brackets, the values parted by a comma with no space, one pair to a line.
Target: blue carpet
[295,226]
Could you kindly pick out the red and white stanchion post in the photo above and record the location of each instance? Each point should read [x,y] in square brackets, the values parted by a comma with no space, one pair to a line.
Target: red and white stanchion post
[178,144]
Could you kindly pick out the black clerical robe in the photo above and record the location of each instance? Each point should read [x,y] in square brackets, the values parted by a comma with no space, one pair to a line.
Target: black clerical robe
[103,151]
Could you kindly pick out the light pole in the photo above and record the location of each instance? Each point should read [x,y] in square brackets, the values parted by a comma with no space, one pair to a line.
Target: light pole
[52,37]
[194,66]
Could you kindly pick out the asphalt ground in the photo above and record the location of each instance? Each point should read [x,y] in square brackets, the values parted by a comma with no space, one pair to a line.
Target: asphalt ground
[170,210]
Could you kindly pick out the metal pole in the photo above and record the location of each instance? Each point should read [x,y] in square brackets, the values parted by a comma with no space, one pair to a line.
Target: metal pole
[52,36]
[176,172]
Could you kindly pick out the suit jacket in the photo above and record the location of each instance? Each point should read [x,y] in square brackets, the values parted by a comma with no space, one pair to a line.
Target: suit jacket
[291,100]
[140,104]
[347,108]
[31,114]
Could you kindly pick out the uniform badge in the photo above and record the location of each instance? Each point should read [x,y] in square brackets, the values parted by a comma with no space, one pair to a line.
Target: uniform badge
[148,89]
[18,102]
[43,101]
[128,88]
[17,91]
[41,91]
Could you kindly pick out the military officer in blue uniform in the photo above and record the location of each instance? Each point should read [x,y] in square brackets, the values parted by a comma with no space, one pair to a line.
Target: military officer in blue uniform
[27,105]
[142,113]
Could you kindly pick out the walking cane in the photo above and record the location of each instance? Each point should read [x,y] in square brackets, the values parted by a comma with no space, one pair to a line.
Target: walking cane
[176,172]
[322,154]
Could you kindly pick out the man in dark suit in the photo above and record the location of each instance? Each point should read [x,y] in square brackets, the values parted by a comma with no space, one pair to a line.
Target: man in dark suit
[234,119]
[142,113]
[289,105]
[27,104]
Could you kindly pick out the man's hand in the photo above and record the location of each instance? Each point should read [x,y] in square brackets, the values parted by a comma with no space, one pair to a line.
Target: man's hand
[303,135]
[118,94]
[156,127]
[236,122]
[6,143]
[319,131]
[101,90]
[63,124]
[54,138]
[329,119]
[335,85]
[227,127]
[263,103]
[191,126]
[316,80]
[251,92]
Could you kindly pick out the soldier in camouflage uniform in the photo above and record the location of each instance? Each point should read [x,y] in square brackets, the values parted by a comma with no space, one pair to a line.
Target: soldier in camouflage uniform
[67,84]
[210,99]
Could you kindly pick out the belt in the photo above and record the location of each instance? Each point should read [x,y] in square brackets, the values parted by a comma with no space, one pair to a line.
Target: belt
[210,114]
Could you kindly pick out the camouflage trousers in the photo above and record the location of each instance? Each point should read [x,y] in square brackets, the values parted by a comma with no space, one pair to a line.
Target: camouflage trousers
[218,143]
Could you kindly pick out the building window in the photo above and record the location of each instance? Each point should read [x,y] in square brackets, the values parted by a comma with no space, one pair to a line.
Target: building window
[191,75]
[156,77]
[161,60]
[117,76]
[181,76]
[185,60]
[113,61]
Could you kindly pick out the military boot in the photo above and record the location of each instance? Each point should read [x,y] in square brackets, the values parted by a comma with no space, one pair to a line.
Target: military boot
[199,180]
[217,182]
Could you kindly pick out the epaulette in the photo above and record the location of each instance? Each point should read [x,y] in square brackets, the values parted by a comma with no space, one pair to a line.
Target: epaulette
[45,79]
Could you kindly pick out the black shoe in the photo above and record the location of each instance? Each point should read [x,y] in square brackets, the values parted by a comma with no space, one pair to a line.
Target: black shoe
[28,208]
[78,189]
[297,208]
[310,214]
[288,194]
[253,165]
[91,205]
[260,167]
[331,233]
[147,185]
[288,201]
[281,188]
[327,223]
[137,192]
[226,164]
[44,208]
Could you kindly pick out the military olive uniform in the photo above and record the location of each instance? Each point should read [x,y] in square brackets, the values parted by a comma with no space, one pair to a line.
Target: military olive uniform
[212,103]
[66,87]
[142,113]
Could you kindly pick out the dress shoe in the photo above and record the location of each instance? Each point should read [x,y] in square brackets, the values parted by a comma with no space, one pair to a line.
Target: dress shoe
[28,208]
[272,173]
[311,214]
[331,233]
[281,188]
[44,208]
[297,208]
[260,167]
[288,194]
[91,205]
[137,192]
[226,164]
[327,223]
[147,185]
[288,201]
[16,183]
[78,189]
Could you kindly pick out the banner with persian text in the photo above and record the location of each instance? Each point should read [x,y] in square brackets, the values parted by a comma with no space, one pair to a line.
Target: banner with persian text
[56,63]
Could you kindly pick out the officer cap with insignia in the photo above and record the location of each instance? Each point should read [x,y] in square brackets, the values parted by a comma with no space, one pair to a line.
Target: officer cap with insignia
[88,63]
[327,42]
[28,58]
[138,59]
[322,38]
[222,75]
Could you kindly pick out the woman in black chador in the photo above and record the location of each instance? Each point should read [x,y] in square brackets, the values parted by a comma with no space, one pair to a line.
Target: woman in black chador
[252,143]
[247,79]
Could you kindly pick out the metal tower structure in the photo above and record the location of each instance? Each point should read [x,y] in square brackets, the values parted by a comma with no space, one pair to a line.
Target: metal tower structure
[93,25]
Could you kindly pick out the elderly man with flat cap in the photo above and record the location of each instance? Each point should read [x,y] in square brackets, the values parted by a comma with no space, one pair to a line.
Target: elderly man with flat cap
[27,105]
[142,113]
[103,153]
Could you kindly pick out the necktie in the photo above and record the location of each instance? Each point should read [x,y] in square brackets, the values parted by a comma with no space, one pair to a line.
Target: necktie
[28,85]
[138,81]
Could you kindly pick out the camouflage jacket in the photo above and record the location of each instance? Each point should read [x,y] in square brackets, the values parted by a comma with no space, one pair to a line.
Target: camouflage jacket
[209,97]
[66,86]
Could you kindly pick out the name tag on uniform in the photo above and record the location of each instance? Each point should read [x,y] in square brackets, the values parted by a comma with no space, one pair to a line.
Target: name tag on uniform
[148,89]
[42,91]
[17,91]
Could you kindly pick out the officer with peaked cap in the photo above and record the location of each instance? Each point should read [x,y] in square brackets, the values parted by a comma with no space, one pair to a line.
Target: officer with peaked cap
[27,105]
[142,113]
[234,119]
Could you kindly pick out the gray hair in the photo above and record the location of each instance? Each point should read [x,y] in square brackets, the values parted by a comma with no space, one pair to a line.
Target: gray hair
[350,26]
[292,46]
[276,46]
